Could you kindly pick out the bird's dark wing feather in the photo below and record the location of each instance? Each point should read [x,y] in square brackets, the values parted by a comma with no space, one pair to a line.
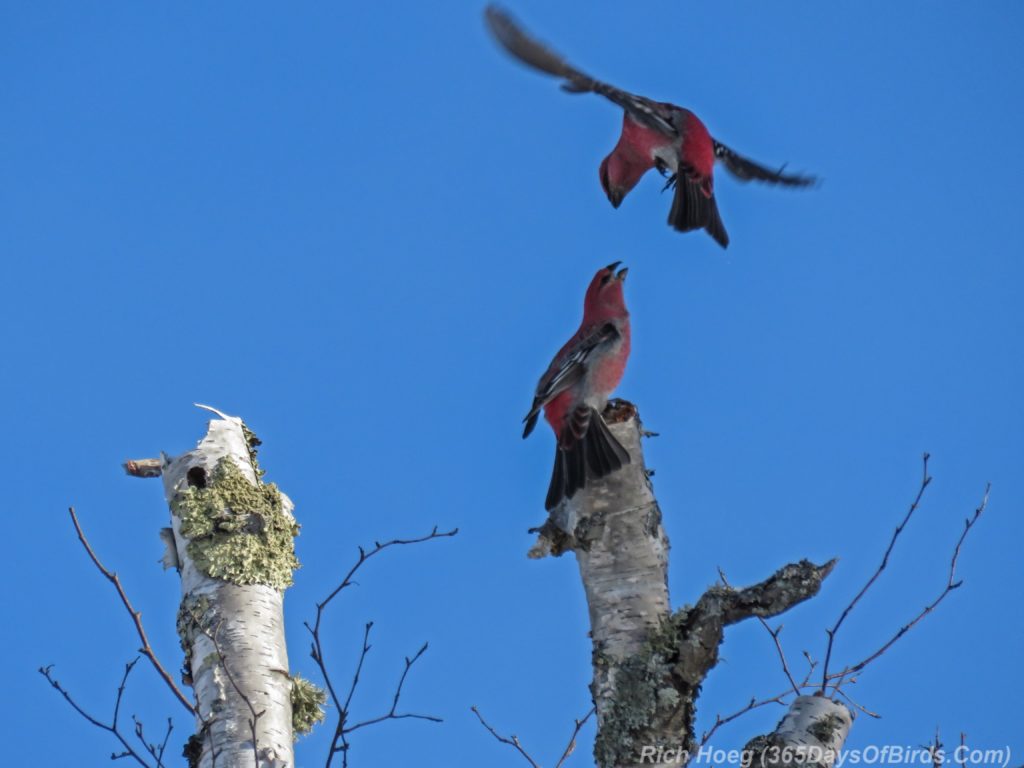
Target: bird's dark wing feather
[537,55]
[568,373]
[745,170]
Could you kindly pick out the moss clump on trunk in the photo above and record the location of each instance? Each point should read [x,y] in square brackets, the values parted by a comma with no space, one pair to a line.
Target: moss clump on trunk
[237,531]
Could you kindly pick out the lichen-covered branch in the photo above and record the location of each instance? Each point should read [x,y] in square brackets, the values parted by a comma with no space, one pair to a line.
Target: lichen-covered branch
[649,663]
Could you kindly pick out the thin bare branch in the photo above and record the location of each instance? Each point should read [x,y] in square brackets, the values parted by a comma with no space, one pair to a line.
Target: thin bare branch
[378,547]
[339,742]
[512,741]
[392,713]
[935,751]
[925,480]
[113,727]
[775,638]
[344,708]
[856,705]
[146,649]
[783,699]
[951,584]
[811,665]
[571,746]
[755,703]
[156,752]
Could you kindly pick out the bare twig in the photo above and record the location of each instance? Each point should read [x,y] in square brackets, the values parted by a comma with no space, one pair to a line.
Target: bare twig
[856,705]
[339,742]
[775,638]
[156,752]
[146,649]
[512,741]
[811,664]
[782,654]
[951,584]
[113,727]
[364,556]
[935,751]
[571,746]
[925,480]
[837,679]
[359,668]
[755,703]
[391,713]
[783,699]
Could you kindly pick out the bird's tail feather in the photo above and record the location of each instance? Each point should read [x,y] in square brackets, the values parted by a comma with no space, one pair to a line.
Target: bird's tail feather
[594,454]
[693,209]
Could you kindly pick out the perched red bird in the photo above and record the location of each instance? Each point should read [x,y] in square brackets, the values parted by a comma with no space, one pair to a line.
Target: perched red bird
[575,389]
[655,134]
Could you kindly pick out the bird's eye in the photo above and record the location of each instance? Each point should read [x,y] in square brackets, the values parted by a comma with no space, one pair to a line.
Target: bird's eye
[606,278]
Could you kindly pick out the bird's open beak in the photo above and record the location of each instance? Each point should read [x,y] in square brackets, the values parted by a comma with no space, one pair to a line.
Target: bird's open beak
[611,267]
[622,274]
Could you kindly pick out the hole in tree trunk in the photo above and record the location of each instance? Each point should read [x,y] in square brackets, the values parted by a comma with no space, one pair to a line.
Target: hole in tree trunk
[196,477]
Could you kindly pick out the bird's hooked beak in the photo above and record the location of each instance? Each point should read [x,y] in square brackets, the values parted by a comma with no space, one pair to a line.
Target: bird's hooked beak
[615,197]
[612,275]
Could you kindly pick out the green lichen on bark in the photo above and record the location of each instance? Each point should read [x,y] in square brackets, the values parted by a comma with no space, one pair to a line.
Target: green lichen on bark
[191,618]
[824,730]
[237,531]
[253,443]
[308,702]
[645,695]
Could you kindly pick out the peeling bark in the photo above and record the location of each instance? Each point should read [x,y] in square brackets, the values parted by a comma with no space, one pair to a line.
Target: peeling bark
[232,630]
[649,663]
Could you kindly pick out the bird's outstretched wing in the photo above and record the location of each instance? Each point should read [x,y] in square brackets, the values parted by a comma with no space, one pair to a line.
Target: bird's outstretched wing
[745,170]
[537,55]
[569,371]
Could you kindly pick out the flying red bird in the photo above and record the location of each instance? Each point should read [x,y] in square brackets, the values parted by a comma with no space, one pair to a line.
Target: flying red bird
[655,134]
[575,389]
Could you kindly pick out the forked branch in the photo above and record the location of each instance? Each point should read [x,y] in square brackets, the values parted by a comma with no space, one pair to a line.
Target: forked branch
[114,727]
[146,649]
[339,741]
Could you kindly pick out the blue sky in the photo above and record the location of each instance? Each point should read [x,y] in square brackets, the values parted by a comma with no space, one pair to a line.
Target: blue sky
[365,230]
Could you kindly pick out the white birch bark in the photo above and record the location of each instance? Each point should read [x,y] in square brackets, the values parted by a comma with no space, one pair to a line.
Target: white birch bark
[812,733]
[244,621]
[649,663]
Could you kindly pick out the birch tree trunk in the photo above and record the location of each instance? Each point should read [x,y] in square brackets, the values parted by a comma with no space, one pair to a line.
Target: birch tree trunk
[649,663]
[812,733]
[231,538]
